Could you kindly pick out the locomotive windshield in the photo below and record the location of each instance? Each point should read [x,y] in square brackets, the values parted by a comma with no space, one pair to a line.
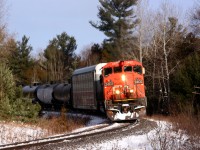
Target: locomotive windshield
[137,69]
[117,69]
[107,71]
[127,68]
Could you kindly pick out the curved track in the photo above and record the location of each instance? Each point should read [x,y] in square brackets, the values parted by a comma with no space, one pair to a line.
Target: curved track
[76,135]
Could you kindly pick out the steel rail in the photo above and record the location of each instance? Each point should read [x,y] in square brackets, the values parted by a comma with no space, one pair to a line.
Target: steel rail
[63,137]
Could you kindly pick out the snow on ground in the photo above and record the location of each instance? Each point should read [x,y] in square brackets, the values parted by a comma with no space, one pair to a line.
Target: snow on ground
[162,136]
[93,122]
[96,120]
[17,132]
[130,143]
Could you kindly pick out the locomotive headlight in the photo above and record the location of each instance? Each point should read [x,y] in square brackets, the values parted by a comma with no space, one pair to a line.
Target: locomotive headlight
[123,77]
[117,92]
[143,70]
[131,91]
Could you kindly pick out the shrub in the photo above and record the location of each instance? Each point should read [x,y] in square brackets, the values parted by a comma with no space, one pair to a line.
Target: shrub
[7,90]
[12,104]
[24,110]
[62,123]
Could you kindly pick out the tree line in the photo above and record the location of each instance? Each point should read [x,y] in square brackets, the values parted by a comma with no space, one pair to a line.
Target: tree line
[168,49]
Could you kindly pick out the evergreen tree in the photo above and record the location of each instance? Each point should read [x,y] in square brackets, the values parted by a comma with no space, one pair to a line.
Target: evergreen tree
[117,21]
[7,90]
[96,54]
[187,75]
[21,61]
[91,55]
[61,57]
[184,80]
[12,104]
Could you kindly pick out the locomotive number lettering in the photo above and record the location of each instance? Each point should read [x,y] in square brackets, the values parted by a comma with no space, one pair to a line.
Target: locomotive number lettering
[109,83]
[138,81]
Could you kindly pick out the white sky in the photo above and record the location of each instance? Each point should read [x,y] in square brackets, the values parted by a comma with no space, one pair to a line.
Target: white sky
[42,20]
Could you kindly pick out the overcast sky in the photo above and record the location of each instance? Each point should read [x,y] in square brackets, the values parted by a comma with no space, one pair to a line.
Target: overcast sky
[42,20]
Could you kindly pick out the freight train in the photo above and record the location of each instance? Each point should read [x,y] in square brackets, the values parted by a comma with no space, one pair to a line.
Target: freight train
[115,88]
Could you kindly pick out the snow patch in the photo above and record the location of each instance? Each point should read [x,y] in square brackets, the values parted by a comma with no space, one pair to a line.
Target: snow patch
[163,136]
[15,132]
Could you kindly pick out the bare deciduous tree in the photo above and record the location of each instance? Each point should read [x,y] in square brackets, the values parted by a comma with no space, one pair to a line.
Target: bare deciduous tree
[144,28]
[161,57]
[195,19]
[85,56]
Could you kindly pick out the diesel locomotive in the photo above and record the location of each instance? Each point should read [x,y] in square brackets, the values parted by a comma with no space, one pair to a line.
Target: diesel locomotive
[115,88]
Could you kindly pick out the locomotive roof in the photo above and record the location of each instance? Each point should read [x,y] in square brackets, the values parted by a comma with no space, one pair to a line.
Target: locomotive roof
[93,68]
[123,63]
[117,63]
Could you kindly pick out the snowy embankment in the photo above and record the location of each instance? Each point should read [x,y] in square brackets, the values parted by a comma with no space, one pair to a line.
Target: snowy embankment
[17,132]
[161,137]
[12,132]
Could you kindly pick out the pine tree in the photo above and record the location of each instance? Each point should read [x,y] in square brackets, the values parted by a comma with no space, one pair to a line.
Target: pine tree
[184,81]
[117,21]
[60,56]
[7,90]
[21,61]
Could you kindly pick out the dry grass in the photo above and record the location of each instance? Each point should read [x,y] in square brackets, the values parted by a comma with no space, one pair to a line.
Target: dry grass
[184,126]
[190,124]
[62,124]
[11,132]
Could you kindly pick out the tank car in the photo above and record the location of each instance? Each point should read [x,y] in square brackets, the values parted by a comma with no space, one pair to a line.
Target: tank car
[43,95]
[53,95]
[29,90]
[61,94]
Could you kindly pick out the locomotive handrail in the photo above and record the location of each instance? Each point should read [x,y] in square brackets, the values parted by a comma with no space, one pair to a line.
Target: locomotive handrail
[196,87]
[196,93]
[197,90]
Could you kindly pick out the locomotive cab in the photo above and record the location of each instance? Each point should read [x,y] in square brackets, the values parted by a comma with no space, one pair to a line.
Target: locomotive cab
[124,92]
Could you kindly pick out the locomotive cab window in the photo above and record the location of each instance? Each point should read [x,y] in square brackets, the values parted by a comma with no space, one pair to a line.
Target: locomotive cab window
[137,69]
[117,69]
[107,71]
[127,68]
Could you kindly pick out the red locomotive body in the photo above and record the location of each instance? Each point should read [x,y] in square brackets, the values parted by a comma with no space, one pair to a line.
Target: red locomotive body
[124,91]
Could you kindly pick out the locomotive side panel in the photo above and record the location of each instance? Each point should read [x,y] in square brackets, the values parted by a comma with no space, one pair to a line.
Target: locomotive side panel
[86,87]
[83,89]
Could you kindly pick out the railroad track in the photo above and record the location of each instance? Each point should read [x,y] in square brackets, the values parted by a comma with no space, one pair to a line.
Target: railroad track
[71,136]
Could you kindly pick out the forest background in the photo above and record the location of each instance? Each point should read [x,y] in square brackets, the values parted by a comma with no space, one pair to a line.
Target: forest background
[168,49]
